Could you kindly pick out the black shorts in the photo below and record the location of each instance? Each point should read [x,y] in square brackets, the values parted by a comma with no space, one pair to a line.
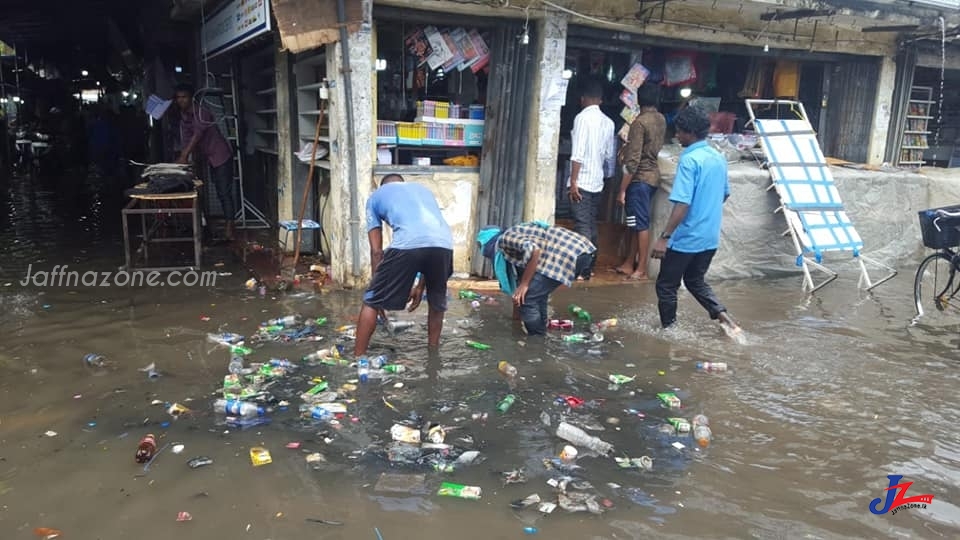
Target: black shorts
[390,288]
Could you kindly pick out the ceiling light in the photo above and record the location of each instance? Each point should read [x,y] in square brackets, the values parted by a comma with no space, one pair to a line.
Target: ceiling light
[84,73]
[178,69]
[685,93]
[125,93]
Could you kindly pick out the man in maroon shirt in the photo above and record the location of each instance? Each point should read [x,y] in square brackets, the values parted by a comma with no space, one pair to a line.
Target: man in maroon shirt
[198,132]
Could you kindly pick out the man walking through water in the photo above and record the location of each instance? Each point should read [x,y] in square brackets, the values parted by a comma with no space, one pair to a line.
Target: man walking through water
[690,240]
[422,243]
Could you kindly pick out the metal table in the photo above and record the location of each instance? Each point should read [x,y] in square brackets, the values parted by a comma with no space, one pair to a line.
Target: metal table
[155,211]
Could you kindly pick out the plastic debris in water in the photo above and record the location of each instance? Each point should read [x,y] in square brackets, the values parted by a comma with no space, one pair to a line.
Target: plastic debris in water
[47,533]
[184,516]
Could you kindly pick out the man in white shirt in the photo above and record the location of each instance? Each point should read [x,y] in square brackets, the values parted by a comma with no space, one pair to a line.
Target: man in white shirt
[592,153]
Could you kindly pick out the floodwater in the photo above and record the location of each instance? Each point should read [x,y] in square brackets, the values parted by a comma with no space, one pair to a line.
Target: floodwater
[825,399]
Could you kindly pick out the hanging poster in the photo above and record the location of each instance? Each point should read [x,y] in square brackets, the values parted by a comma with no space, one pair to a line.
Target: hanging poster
[418,46]
[629,114]
[629,98]
[466,48]
[483,53]
[457,59]
[635,77]
[441,53]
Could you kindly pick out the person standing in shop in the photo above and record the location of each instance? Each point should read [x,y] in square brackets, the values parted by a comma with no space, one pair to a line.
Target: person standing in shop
[198,132]
[641,178]
[592,158]
[690,240]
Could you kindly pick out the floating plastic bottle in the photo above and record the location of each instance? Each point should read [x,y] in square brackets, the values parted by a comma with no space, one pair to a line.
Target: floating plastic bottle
[379,361]
[469,295]
[394,368]
[225,338]
[701,430]
[477,345]
[237,408]
[363,369]
[578,437]
[507,369]
[398,326]
[506,403]
[717,367]
[449,489]
[236,365]
[288,321]
[580,313]
[603,325]
[94,360]
[577,338]
[147,449]
[319,321]
[327,411]
[669,400]
[324,354]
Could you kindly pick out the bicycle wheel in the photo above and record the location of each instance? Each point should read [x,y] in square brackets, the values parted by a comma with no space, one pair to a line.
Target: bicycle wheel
[935,287]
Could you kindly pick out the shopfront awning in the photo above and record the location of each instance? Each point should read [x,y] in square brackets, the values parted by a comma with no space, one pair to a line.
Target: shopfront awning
[308,24]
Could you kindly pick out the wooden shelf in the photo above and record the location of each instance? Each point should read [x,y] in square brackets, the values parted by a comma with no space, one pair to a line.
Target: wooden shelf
[267,131]
[266,150]
[267,111]
[267,92]
[908,132]
[309,138]
[914,147]
[322,163]
[914,116]
[312,113]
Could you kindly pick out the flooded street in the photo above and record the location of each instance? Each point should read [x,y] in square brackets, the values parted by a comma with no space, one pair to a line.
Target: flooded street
[827,397]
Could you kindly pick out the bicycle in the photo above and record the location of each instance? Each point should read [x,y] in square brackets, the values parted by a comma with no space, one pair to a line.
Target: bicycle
[936,281]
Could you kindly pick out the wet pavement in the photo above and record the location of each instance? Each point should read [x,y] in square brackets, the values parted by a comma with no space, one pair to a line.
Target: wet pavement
[826,397]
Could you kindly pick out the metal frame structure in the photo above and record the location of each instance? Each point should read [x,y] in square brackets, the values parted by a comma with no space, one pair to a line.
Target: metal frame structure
[816,220]
[147,233]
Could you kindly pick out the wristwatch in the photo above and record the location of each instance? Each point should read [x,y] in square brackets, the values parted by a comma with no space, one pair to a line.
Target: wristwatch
[664,235]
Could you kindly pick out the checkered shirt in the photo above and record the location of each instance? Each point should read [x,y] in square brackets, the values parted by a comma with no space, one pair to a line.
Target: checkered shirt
[559,249]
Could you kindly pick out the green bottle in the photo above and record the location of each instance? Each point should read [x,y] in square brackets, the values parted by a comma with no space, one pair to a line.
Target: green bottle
[320,321]
[575,338]
[469,295]
[507,402]
[394,368]
[580,313]
[271,329]
[242,351]
[477,345]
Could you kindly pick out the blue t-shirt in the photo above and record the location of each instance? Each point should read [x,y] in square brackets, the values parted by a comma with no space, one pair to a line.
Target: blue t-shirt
[701,183]
[412,212]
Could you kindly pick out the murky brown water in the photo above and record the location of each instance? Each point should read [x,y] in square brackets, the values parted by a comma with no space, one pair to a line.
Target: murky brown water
[828,396]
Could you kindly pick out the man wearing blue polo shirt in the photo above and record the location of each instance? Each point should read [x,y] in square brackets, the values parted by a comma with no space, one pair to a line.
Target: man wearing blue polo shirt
[422,243]
[692,234]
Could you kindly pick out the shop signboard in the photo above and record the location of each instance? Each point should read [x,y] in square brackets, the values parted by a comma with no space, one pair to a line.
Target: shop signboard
[236,22]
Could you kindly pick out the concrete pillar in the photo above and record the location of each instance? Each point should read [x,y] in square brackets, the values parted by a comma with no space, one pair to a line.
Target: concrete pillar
[286,108]
[882,111]
[544,134]
[362,137]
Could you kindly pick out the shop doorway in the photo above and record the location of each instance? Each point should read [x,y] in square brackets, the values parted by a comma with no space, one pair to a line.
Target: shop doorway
[719,82]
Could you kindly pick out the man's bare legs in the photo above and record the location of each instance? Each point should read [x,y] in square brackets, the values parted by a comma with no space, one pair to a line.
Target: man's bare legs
[434,327]
[366,324]
[630,261]
[643,243]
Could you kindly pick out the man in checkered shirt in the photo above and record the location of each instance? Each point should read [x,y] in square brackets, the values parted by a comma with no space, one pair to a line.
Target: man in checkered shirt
[543,257]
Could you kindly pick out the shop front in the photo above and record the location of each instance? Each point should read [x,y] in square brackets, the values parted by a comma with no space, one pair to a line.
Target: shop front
[448,116]
[835,90]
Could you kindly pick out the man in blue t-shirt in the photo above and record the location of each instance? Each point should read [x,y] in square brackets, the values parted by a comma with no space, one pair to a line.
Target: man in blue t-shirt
[422,243]
[692,234]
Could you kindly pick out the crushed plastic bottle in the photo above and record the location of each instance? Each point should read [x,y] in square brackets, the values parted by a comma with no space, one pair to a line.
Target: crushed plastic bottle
[716,367]
[327,411]
[324,354]
[506,403]
[394,368]
[477,345]
[379,361]
[398,326]
[603,325]
[560,324]
[469,295]
[578,437]
[225,338]
[240,350]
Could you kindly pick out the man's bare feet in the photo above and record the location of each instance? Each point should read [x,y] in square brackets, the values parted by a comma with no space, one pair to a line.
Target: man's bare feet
[637,276]
[623,269]
[729,325]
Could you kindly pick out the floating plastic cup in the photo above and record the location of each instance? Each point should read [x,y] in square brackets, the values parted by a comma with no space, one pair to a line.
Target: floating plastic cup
[568,454]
